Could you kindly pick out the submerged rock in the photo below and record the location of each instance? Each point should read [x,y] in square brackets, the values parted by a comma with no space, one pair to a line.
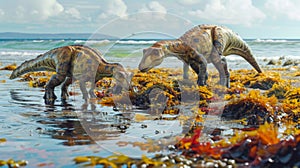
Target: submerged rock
[274,62]
[282,58]
[288,62]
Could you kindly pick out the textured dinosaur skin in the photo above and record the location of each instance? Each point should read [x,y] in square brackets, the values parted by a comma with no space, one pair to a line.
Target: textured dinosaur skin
[199,46]
[70,63]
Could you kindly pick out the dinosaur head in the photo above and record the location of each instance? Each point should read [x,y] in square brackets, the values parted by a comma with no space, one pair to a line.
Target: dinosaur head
[152,56]
[122,77]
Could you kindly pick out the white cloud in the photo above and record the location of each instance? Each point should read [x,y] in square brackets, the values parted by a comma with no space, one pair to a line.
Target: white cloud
[190,2]
[114,8]
[146,23]
[230,12]
[73,12]
[154,9]
[153,6]
[26,11]
[289,8]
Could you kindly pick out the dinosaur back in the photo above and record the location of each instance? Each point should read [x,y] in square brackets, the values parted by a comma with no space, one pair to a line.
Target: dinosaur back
[199,39]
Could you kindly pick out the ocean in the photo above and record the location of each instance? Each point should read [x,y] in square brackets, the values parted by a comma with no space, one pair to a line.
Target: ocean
[129,51]
[43,135]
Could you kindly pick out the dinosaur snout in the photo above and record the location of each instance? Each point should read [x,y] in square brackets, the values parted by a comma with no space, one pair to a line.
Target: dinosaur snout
[141,68]
[144,69]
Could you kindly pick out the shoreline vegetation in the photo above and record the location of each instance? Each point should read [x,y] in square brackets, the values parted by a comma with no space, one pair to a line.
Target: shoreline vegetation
[265,106]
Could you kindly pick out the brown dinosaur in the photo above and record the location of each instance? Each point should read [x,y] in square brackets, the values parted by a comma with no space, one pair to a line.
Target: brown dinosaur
[73,62]
[201,45]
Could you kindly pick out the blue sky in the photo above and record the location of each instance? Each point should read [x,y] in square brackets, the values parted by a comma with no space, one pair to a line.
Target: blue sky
[123,18]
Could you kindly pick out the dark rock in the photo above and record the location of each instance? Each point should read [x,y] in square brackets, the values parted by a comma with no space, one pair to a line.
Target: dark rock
[282,58]
[288,62]
[272,62]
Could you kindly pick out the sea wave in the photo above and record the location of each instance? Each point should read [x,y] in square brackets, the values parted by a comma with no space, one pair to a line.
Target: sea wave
[91,42]
[18,53]
[271,41]
[38,41]
[136,42]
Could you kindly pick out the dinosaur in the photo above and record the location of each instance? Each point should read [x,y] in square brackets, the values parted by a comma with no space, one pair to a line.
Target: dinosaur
[73,62]
[199,46]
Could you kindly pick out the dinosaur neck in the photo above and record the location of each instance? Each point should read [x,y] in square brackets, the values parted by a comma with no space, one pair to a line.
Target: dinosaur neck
[246,53]
[239,51]
[234,44]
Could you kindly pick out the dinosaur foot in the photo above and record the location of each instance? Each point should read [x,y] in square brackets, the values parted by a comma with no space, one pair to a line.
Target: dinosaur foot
[92,94]
[224,82]
[64,94]
[49,97]
[201,82]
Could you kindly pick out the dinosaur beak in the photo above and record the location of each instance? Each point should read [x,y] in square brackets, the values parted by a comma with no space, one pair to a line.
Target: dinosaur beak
[151,57]
[142,66]
[146,64]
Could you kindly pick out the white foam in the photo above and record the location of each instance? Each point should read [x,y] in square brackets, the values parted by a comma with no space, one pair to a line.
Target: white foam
[270,41]
[18,53]
[92,42]
[136,42]
[79,41]
[38,41]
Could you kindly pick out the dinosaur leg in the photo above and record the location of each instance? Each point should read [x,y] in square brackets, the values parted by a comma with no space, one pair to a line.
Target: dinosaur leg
[185,71]
[195,66]
[221,66]
[91,91]
[62,68]
[220,63]
[227,74]
[201,64]
[64,88]
[84,92]
[55,80]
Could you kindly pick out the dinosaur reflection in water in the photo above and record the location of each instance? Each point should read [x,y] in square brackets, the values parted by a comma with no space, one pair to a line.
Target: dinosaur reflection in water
[79,123]
[66,122]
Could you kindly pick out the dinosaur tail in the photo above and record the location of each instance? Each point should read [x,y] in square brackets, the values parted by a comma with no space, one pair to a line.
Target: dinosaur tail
[240,47]
[40,63]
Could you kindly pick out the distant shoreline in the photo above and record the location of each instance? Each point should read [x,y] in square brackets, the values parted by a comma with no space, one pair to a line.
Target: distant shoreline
[54,36]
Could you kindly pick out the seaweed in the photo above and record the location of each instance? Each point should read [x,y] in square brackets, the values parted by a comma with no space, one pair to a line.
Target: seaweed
[9,67]
[253,106]
[13,163]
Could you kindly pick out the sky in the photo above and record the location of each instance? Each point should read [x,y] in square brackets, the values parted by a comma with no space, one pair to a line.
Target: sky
[133,18]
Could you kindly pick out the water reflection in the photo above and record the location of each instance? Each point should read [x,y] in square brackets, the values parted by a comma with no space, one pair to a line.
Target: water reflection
[78,123]
[75,122]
